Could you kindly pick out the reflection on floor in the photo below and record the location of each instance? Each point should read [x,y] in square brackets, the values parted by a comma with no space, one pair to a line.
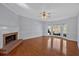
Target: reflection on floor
[46,46]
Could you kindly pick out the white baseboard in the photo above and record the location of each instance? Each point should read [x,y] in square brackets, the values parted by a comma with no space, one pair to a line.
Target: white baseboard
[31,37]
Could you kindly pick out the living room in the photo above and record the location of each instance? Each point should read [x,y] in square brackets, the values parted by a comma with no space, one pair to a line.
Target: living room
[24,29]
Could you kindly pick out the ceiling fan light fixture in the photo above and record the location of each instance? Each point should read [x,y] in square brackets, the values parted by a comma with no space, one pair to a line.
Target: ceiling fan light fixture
[44,15]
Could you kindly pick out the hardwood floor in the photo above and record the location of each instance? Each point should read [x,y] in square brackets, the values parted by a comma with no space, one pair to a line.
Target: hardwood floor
[46,46]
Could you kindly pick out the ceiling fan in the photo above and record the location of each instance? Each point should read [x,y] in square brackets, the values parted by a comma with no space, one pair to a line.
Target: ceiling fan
[45,15]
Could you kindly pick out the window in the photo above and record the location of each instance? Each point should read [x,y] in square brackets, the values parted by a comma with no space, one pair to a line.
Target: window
[49,30]
[65,30]
[57,30]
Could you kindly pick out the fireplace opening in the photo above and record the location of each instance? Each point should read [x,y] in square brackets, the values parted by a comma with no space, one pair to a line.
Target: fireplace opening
[9,37]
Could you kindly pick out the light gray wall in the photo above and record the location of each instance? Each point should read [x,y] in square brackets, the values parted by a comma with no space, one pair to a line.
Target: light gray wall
[7,19]
[78,30]
[30,28]
[72,27]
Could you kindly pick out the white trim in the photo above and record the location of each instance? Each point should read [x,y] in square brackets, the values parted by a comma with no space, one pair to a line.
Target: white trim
[31,37]
[62,37]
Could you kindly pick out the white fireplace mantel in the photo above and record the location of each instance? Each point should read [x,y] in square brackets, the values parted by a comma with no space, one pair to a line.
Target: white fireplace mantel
[4,30]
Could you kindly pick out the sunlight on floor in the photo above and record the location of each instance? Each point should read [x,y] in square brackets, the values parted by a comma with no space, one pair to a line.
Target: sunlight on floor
[56,43]
[64,47]
[49,43]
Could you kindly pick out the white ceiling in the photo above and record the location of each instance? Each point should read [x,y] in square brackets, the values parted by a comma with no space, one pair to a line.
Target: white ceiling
[57,11]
